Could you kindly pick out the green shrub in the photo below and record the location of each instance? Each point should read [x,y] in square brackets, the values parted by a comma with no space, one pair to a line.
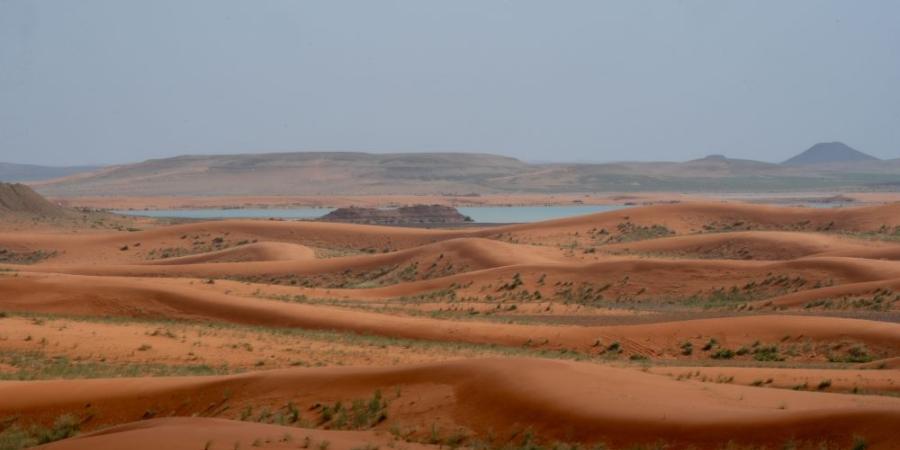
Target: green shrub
[15,437]
[723,353]
[767,353]
[361,414]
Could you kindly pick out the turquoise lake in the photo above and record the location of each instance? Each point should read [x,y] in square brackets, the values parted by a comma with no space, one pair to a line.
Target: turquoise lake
[480,214]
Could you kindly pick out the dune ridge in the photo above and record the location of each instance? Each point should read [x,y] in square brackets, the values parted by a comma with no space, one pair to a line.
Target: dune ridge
[691,324]
[563,400]
[97,296]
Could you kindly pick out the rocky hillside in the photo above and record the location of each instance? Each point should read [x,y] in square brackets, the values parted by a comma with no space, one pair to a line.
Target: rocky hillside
[342,173]
[304,173]
[19,199]
[829,152]
[406,215]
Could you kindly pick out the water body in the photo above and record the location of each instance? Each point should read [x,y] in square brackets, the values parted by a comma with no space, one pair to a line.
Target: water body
[523,214]
[480,214]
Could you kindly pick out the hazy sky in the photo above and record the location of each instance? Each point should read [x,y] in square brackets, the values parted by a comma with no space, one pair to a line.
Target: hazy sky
[113,81]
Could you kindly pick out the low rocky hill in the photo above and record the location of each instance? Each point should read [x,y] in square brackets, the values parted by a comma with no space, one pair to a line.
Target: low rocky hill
[406,215]
[825,166]
[828,153]
[19,199]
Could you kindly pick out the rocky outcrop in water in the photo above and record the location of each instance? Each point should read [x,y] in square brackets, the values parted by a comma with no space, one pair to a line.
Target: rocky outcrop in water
[406,215]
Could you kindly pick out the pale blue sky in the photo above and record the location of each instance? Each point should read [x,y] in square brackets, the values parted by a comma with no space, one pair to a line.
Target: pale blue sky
[111,81]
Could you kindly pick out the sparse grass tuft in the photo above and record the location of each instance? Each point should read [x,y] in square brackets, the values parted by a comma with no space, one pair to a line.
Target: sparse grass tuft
[360,415]
[16,437]
[38,366]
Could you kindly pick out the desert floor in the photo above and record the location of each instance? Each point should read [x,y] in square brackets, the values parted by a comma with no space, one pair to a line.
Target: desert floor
[701,325]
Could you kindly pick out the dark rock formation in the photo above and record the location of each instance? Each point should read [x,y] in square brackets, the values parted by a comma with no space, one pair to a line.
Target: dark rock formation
[406,215]
[829,152]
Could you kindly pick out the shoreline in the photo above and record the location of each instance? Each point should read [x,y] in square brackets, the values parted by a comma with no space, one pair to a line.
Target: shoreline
[386,201]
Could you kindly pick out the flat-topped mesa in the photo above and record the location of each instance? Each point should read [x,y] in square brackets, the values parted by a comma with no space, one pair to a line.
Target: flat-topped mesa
[405,215]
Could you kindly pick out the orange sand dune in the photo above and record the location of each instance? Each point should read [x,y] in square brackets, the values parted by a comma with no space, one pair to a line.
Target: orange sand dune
[195,433]
[260,251]
[887,363]
[738,253]
[762,245]
[885,250]
[556,400]
[109,296]
[826,380]
[106,247]
[692,216]
[455,254]
[797,299]
[627,276]
[630,276]
[682,218]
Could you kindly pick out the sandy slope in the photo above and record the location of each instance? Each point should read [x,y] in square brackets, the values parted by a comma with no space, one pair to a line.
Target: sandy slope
[114,344]
[799,299]
[843,380]
[192,433]
[485,266]
[105,296]
[184,433]
[559,400]
[681,218]
[692,216]
[260,251]
[106,248]
[759,252]
[275,259]
[761,245]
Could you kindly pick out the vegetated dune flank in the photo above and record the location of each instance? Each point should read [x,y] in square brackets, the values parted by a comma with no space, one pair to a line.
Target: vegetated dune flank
[554,399]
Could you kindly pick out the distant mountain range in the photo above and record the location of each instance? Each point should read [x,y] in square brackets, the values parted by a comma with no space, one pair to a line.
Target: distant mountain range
[823,166]
[10,172]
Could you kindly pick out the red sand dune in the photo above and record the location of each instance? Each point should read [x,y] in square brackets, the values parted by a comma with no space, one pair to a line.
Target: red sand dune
[120,274]
[692,216]
[627,275]
[798,299]
[838,380]
[463,253]
[260,251]
[105,247]
[195,433]
[109,296]
[761,245]
[556,400]
[682,218]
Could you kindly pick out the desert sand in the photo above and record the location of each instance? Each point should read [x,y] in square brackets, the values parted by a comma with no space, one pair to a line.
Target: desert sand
[683,325]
